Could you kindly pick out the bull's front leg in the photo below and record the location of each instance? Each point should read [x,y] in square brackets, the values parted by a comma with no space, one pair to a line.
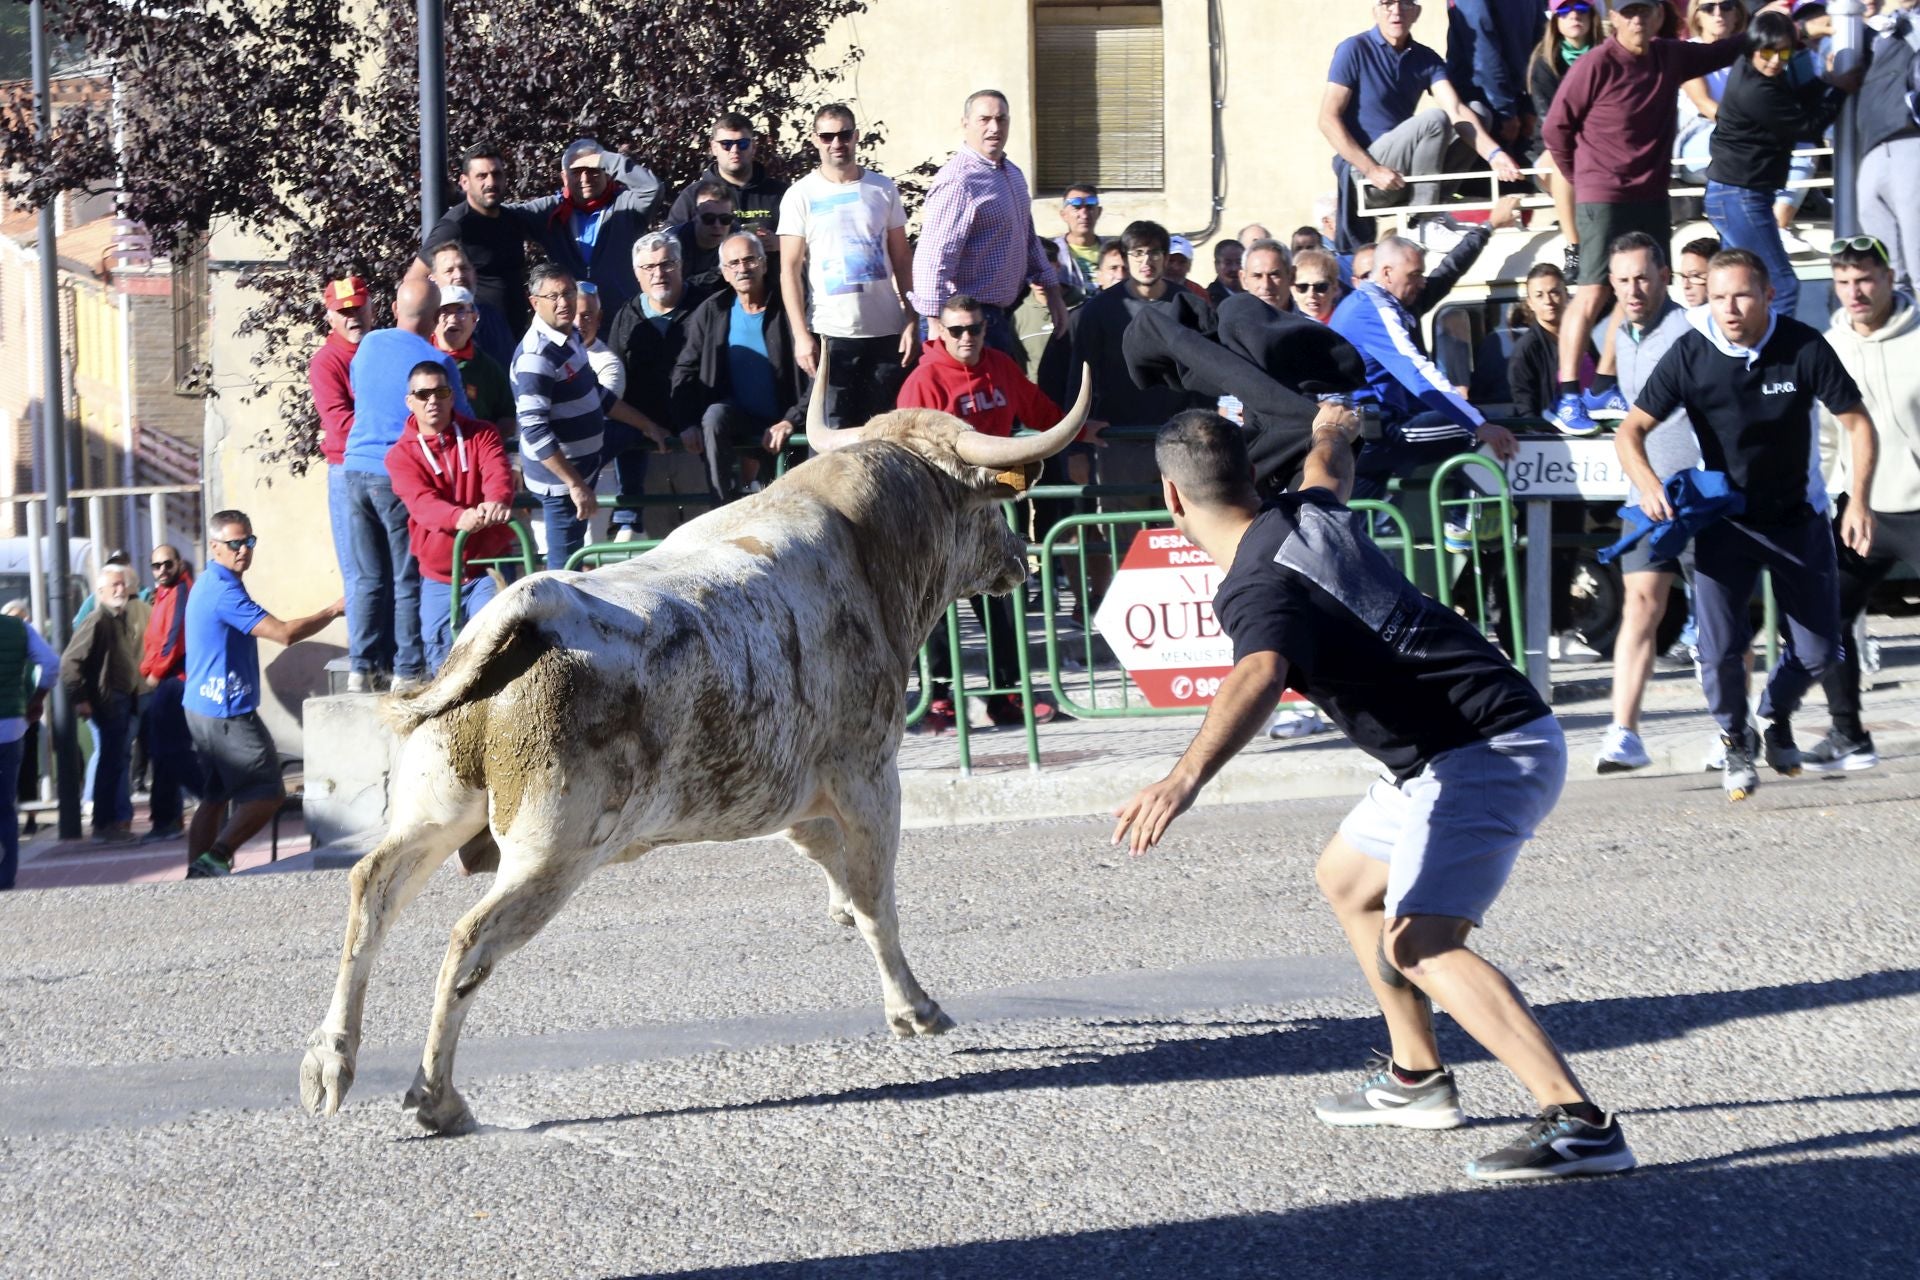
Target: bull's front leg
[870,818]
[822,840]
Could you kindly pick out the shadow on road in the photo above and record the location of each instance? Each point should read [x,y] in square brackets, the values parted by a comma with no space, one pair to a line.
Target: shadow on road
[1311,1046]
[1722,1216]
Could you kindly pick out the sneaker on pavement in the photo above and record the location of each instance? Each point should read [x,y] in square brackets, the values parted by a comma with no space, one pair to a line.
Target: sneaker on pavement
[1716,757]
[1570,417]
[115,834]
[624,533]
[1793,243]
[939,717]
[1620,751]
[1783,755]
[1557,1145]
[1607,405]
[159,834]
[1383,1098]
[1839,753]
[359,682]
[206,867]
[1737,774]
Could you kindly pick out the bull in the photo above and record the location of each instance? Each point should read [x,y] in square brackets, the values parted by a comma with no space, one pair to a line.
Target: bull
[745,677]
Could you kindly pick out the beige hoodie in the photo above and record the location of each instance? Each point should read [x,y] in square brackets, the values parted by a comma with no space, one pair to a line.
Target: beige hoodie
[1886,364]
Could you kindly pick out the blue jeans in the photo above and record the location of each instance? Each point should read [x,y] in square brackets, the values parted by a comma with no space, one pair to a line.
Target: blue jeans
[383,612]
[10,756]
[113,778]
[176,768]
[1744,219]
[436,613]
[338,503]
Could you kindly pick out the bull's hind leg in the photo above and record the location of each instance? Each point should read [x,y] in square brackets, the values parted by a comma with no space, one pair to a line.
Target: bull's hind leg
[822,840]
[870,816]
[528,891]
[380,886]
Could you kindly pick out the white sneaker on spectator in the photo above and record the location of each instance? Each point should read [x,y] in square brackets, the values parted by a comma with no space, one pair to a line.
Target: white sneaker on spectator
[359,682]
[1716,758]
[624,533]
[1792,243]
[751,486]
[1297,724]
[1620,751]
[407,684]
[1439,233]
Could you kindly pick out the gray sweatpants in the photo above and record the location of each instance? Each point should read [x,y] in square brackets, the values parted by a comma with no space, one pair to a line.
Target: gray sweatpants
[1889,189]
[1422,143]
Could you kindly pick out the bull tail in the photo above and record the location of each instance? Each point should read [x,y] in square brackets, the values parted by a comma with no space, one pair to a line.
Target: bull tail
[499,645]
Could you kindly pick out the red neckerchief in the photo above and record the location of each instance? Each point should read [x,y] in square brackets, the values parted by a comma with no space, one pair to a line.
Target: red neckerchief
[464,353]
[569,206]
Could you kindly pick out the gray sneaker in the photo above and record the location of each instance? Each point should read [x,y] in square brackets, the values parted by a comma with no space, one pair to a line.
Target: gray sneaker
[1431,1102]
[1737,774]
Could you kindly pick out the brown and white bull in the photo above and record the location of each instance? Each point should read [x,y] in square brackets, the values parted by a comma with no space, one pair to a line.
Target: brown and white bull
[745,677]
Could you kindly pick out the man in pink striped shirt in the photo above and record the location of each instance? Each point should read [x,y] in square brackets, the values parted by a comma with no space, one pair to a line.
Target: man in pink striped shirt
[976,234]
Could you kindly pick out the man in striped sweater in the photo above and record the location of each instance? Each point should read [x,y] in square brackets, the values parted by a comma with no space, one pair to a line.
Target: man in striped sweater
[569,424]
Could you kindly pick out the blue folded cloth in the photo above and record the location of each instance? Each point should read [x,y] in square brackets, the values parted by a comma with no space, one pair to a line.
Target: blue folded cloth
[1698,498]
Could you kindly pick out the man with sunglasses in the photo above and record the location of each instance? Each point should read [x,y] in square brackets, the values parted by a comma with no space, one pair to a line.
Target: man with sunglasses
[163,667]
[452,473]
[735,147]
[1076,251]
[845,272]
[222,697]
[383,626]
[713,220]
[1876,334]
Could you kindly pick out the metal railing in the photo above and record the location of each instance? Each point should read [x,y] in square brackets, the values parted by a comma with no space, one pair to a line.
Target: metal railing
[1472,507]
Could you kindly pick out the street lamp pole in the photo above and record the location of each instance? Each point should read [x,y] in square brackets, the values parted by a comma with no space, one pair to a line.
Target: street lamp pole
[1849,49]
[433,112]
[53,447]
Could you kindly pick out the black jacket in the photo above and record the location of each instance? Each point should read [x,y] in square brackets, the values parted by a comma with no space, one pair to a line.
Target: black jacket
[1533,372]
[700,268]
[649,355]
[1458,262]
[700,373]
[1099,329]
[1760,120]
[758,202]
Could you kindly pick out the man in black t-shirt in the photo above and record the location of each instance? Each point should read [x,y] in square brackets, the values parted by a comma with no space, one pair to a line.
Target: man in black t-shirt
[1749,381]
[1477,761]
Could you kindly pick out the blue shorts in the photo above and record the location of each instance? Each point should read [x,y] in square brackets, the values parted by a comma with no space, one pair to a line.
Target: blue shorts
[1449,834]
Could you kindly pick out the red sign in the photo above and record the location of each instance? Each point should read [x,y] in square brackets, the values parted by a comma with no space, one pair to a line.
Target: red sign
[1158,619]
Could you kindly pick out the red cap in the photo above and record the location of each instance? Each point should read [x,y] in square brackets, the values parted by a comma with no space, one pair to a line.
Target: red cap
[341,295]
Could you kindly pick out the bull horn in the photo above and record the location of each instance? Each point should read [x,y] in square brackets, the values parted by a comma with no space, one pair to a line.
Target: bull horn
[1004,453]
[820,436]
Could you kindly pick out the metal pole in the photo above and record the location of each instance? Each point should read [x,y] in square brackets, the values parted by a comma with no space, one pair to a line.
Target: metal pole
[433,113]
[1849,48]
[156,519]
[1539,622]
[53,448]
[37,565]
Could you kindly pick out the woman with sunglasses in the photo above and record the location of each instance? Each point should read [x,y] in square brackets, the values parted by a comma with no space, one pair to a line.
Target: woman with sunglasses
[1762,116]
[1707,21]
[1573,27]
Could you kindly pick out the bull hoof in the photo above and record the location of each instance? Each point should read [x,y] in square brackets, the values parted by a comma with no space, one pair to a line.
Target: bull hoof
[327,1072]
[934,1022]
[443,1111]
[840,913]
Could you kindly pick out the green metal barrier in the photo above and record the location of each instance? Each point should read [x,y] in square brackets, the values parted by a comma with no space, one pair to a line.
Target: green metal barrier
[1472,507]
[527,562]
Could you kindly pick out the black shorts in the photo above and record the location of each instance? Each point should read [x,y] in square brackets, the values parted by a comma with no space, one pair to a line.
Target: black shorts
[1639,558]
[1600,225]
[238,756]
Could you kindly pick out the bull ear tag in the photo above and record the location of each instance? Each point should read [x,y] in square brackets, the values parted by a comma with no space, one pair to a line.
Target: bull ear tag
[1014,480]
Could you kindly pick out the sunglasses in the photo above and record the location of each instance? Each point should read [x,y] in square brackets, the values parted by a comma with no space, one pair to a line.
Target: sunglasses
[733,144]
[1313,286]
[434,395]
[1718,6]
[716,219]
[973,330]
[1861,244]
[1083,202]
[237,545]
[163,564]
[838,135]
[1578,6]
[1772,55]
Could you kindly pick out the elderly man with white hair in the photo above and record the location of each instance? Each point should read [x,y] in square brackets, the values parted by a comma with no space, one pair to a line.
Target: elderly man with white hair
[101,672]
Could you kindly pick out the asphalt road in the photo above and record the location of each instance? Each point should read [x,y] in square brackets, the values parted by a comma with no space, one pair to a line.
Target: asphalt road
[687,1073]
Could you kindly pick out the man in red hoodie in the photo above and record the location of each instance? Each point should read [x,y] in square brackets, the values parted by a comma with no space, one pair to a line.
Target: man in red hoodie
[451,474]
[347,323]
[961,375]
[163,718]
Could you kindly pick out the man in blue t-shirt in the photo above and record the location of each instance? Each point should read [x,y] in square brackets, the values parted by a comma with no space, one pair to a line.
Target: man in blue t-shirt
[1476,759]
[224,629]
[737,376]
[1370,115]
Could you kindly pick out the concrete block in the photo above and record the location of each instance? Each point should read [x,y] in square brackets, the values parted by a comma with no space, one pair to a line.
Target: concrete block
[350,758]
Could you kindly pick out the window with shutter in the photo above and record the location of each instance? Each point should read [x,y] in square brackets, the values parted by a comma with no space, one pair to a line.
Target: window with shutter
[1100,97]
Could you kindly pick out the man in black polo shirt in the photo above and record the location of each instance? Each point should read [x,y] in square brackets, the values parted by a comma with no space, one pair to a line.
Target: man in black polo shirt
[1477,761]
[1749,380]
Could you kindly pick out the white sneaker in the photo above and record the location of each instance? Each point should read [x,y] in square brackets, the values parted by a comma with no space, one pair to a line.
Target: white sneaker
[359,682]
[1716,758]
[1620,751]
[623,533]
[1297,724]
[1792,243]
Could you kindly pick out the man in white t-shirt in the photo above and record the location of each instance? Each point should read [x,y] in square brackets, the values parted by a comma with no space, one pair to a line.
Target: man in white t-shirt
[845,272]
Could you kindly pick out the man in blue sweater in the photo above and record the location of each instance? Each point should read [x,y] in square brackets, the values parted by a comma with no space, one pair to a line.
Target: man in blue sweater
[383,618]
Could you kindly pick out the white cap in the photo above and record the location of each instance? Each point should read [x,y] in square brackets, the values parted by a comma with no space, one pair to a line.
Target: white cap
[1180,245]
[456,296]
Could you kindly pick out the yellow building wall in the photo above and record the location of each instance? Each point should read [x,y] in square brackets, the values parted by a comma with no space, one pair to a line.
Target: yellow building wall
[923,58]
[294,572]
